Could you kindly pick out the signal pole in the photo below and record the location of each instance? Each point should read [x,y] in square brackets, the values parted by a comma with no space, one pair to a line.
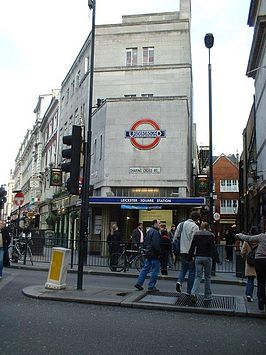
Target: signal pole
[84,213]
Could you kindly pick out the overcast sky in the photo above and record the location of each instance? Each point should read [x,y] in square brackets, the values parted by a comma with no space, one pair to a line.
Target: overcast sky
[39,41]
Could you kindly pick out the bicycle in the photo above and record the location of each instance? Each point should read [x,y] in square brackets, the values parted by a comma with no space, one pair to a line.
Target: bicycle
[20,249]
[123,261]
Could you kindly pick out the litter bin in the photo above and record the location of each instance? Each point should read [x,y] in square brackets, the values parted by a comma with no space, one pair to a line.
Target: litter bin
[58,269]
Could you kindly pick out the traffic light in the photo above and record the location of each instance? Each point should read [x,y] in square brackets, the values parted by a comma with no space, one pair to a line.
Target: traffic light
[2,197]
[72,154]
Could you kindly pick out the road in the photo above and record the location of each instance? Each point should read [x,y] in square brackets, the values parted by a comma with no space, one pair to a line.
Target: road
[32,326]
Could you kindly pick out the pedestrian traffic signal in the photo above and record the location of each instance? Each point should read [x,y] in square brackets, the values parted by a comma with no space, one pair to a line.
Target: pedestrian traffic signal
[73,155]
[2,197]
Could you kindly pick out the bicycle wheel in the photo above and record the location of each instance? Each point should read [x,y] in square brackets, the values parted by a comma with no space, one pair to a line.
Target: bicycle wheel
[139,262]
[116,262]
[14,254]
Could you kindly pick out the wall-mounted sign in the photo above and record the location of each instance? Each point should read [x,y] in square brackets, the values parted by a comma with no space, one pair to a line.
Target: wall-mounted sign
[189,201]
[153,135]
[202,186]
[56,177]
[144,170]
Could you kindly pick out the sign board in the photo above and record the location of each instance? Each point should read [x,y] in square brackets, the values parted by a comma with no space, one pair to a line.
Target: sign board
[153,134]
[56,177]
[216,216]
[19,198]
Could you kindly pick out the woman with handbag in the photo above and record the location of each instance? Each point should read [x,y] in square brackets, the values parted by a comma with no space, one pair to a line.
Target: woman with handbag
[260,264]
[250,272]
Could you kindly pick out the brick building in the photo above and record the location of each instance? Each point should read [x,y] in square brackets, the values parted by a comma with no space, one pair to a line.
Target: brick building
[226,191]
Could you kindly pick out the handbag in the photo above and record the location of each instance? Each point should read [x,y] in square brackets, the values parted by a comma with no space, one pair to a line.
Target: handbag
[250,258]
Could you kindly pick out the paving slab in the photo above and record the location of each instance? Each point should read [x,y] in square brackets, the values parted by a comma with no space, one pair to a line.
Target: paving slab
[168,301]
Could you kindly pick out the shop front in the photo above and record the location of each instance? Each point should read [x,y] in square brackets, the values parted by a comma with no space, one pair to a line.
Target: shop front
[128,212]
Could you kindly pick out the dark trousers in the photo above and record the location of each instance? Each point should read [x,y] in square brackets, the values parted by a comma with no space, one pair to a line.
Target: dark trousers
[164,263]
[260,267]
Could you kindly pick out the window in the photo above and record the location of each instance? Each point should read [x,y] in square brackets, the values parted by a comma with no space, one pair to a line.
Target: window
[72,86]
[95,150]
[148,55]
[76,117]
[229,186]
[147,95]
[229,206]
[131,56]
[77,79]
[101,147]
[130,95]
[86,65]
[67,95]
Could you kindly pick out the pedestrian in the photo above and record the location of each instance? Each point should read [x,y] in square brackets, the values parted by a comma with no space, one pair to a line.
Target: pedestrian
[204,251]
[230,241]
[260,264]
[152,244]
[189,227]
[5,240]
[137,237]
[114,241]
[171,259]
[165,251]
[250,271]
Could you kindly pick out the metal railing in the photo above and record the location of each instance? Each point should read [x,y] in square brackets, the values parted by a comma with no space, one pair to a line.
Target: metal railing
[98,252]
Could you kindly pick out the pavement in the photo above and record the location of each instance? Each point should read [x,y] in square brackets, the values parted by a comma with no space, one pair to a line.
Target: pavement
[226,304]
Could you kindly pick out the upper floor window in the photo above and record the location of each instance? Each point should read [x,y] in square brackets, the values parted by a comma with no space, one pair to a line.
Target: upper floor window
[101,146]
[229,186]
[86,65]
[229,206]
[148,55]
[131,56]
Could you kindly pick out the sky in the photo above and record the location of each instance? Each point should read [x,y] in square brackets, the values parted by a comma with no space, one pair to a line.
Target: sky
[39,41]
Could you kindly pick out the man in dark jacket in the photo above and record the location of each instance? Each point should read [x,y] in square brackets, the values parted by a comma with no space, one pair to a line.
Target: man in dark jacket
[152,244]
[137,237]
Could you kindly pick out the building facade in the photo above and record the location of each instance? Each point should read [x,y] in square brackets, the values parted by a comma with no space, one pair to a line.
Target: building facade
[256,162]
[226,192]
[143,148]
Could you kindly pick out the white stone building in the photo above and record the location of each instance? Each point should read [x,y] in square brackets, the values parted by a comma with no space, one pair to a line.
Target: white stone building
[143,78]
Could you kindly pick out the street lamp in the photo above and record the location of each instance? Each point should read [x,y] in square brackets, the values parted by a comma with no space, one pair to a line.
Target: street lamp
[84,212]
[209,40]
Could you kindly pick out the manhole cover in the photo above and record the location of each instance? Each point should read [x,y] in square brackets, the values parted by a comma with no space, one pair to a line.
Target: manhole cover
[172,298]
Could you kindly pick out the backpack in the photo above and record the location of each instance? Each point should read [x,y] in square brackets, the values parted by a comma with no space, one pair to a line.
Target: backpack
[250,258]
[176,242]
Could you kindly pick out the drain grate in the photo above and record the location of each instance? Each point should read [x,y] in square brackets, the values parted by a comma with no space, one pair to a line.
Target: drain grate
[217,302]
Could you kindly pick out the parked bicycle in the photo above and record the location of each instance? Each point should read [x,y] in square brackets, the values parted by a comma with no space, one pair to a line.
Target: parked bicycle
[127,259]
[20,249]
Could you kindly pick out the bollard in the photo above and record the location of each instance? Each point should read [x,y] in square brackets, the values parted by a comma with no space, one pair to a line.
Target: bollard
[58,269]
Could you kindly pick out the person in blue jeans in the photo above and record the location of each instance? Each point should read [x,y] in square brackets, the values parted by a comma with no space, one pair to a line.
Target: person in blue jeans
[189,227]
[204,250]
[152,244]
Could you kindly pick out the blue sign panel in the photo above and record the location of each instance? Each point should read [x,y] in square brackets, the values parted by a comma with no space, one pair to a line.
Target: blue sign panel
[186,201]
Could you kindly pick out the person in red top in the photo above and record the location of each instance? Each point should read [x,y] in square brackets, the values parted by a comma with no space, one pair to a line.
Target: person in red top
[165,251]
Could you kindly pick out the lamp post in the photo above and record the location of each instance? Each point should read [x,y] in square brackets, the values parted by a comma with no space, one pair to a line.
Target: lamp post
[84,212]
[209,40]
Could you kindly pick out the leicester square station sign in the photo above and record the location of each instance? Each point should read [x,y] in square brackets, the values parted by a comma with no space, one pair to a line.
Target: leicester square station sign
[135,134]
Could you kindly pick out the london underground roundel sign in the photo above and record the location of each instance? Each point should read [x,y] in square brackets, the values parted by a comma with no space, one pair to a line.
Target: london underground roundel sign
[150,131]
